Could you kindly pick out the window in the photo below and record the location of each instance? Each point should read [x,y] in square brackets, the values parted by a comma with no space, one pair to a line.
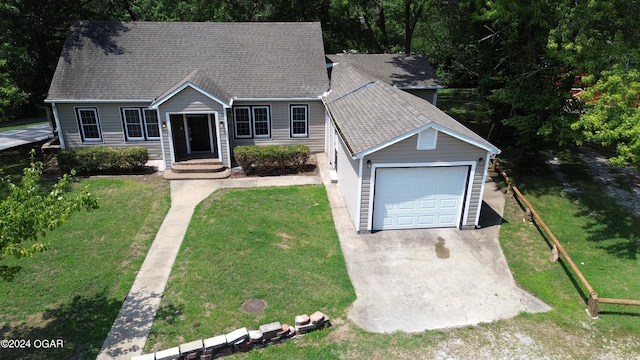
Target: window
[89,125]
[243,122]
[261,121]
[252,121]
[140,124]
[133,124]
[152,125]
[299,120]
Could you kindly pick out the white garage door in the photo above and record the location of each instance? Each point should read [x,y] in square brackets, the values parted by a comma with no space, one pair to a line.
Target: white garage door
[421,197]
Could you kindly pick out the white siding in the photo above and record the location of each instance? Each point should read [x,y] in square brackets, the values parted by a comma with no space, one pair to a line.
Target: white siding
[111,126]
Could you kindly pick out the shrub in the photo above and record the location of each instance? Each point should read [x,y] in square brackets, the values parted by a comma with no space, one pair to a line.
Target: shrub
[103,160]
[272,159]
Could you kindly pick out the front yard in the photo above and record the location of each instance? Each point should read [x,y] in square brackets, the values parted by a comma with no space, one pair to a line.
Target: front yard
[279,245]
[74,290]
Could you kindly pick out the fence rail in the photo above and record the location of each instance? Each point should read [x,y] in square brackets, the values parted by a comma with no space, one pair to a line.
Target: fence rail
[557,250]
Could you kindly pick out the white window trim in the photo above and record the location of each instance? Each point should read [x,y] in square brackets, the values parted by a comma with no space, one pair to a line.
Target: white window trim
[235,122]
[306,121]
[146,130]
[252,122]
[253,115]
[81,124]
[140,124]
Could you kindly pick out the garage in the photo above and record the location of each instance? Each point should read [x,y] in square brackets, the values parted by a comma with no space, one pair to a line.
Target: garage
[418,197]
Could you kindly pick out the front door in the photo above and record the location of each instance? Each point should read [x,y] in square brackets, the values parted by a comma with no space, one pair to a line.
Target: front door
[199,133]
[179,142]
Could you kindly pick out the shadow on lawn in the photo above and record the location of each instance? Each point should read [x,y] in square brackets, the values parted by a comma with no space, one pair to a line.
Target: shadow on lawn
[612,227]
[81,324]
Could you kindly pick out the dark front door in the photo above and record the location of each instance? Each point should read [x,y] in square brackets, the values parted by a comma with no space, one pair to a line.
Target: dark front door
[199,134]
[179,137]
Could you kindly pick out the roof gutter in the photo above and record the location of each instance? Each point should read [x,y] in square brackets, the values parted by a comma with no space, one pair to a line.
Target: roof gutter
[319,97]
[84,101]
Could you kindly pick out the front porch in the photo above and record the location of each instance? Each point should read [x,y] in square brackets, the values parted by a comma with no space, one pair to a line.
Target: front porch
[196,169]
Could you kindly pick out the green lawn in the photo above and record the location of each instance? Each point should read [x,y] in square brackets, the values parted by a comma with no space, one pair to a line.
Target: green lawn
[468,107]
[599,235]
[274,244]
[74,290]
[7,126]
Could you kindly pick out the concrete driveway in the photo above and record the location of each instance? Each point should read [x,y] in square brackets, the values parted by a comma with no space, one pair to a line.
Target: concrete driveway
[416,280]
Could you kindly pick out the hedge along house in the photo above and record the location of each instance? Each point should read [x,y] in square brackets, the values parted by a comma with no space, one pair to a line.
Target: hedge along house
[190,90]
[400,162]
[197,90]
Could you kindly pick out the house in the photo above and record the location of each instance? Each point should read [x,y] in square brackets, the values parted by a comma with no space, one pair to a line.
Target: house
[193,90]
[187,90]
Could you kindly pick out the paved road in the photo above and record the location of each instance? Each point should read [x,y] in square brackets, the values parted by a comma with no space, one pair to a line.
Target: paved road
[31,134]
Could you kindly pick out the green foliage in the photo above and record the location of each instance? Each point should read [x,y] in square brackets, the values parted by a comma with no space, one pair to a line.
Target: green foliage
[271,159]
[29,212]
[11,97]
[101,160]
[612,117]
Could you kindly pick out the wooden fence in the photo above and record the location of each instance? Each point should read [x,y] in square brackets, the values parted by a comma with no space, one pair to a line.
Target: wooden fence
[558,250]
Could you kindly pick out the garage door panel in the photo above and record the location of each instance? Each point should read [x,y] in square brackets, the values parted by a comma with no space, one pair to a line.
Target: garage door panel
[426,220]
[407,205]
[427,205]
[449,204]
[420,197]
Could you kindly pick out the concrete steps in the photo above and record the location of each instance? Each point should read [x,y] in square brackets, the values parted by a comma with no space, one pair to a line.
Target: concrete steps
[197,169]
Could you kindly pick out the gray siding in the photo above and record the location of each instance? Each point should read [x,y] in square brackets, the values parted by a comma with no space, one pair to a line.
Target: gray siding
[348,181]
[448,149]
[111,126]
[193,102]
[280,125]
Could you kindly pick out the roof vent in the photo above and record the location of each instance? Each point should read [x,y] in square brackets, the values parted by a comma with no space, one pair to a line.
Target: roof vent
[427,139]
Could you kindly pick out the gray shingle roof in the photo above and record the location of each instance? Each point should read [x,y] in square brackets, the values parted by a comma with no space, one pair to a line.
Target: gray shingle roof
[376,113]
[399,70]
[144,60]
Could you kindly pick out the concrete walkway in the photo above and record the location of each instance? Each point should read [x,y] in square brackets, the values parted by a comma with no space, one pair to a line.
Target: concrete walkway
[129,332]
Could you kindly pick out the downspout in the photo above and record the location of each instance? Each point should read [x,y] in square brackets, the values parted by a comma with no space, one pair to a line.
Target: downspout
[164,152]
[228,137]
[58,126]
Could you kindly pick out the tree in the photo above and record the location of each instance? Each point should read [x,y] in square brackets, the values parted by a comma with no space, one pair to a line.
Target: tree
[32,33]
[612,117]
[11,97]
[28,213]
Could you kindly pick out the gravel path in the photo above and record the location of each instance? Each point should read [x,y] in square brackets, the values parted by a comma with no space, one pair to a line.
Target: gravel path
[628,195]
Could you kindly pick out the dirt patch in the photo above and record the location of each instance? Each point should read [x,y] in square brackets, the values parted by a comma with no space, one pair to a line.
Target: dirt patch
[253,306]
[284,244]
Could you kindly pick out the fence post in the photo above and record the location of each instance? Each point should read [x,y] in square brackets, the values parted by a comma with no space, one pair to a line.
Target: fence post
[593,306]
